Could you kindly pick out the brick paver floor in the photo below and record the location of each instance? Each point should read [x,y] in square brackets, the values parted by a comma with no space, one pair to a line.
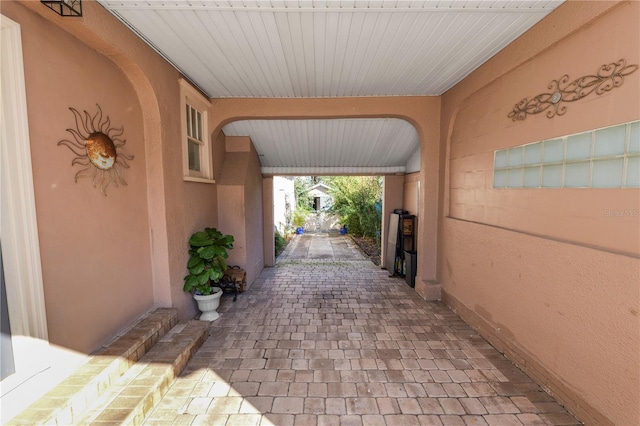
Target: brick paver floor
[336,341]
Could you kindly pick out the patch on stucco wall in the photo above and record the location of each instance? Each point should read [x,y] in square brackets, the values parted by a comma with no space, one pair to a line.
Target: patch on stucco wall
[98,149]
[608,77]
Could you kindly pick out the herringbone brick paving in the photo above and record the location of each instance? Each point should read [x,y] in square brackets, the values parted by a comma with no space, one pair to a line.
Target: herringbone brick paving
[338,342]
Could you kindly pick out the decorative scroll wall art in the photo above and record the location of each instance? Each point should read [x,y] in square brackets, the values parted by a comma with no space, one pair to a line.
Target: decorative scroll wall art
[98,149]
[608,77]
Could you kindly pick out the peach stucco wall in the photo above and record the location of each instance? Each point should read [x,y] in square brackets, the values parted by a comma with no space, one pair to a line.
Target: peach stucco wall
[137,236]
[545,273]
[95,250]
[240,209]
[411,200]
[253,218]
[411,193]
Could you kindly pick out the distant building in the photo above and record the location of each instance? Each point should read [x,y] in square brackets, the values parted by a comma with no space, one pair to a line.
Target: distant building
[322,199]
[284,202]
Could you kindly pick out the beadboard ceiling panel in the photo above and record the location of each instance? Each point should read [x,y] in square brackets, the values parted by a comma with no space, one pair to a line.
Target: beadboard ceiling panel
[327,48]
[341,146]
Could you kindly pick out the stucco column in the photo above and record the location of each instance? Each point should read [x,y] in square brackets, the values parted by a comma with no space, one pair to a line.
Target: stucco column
[427,282]
[267,222]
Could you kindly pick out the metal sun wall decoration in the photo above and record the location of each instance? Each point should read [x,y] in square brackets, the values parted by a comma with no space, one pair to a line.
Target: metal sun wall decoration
[99,147]
[608,77]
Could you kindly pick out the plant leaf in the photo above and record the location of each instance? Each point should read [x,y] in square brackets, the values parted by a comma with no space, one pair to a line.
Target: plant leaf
[222,264]
[215,275]
[193,261]
[191,281]
[205,291]
[225,241]
[203,278]
[208,252]
[221,252]
[197,268]
[200,239]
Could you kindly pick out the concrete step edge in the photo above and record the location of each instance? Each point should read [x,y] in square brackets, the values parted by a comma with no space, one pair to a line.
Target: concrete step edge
[135,397]
[69,399]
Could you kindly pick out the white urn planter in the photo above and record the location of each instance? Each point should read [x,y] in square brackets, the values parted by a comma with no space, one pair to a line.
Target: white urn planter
[208,304]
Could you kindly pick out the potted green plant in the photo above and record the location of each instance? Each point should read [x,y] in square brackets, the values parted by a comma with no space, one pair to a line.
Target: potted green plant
[299,219]
[206,265]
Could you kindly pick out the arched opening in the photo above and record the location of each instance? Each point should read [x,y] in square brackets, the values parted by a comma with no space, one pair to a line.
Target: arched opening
[421,112]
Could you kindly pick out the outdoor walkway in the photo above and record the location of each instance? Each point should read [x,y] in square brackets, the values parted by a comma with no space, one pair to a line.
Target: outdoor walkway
[328,338]
[315,246]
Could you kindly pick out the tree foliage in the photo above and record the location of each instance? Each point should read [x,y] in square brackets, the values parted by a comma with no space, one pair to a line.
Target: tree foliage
[354,201]
[301,185]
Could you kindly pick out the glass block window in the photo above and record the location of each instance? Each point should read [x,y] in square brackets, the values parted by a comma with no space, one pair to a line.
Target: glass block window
[602,158]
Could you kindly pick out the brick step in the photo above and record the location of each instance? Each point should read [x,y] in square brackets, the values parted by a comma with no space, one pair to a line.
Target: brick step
[132,398]
[66,402]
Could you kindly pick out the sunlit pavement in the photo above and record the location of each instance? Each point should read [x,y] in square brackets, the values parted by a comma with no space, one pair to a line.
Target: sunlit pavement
[335,340]
[328,245]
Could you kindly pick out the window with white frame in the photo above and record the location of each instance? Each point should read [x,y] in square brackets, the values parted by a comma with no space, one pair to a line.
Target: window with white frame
[602,158]
[196,150]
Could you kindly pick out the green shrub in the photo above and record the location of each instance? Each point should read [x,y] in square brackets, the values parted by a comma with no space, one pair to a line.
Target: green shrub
[280,243]
[354,201]
[299,217]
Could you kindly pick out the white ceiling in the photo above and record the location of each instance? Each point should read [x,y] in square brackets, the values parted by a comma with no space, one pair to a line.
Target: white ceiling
[330,146]
[327,48]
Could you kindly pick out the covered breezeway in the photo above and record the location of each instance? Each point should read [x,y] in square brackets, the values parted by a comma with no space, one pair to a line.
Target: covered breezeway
[327,338]
[540,258]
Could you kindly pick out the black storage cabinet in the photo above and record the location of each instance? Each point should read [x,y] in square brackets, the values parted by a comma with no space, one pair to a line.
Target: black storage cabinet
[400,257]
[411,262]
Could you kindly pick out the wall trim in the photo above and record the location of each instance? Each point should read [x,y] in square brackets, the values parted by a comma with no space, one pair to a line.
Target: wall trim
[21,247]
[557,387]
